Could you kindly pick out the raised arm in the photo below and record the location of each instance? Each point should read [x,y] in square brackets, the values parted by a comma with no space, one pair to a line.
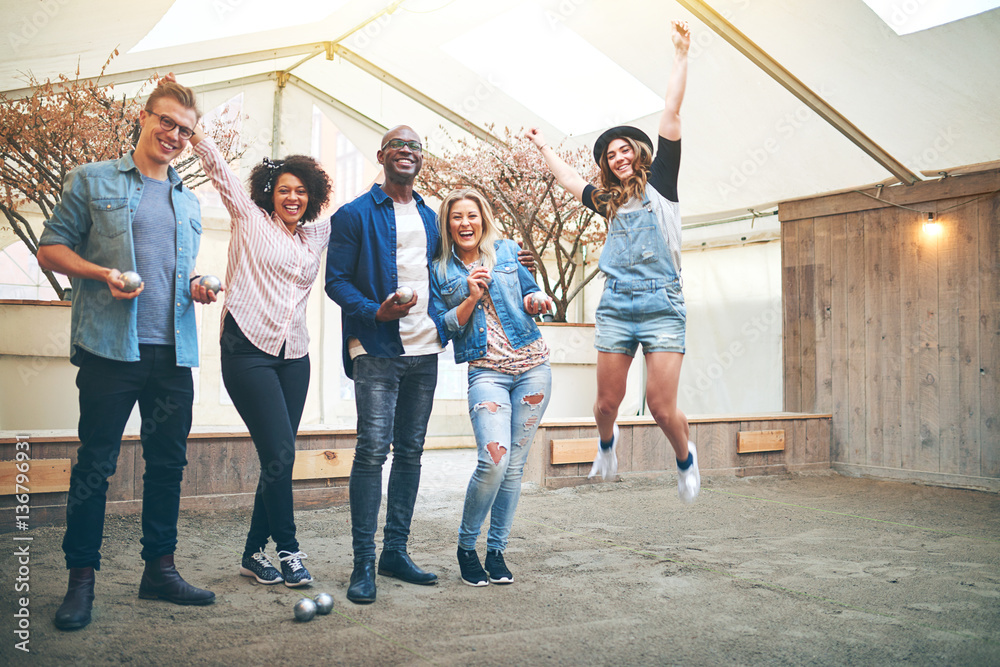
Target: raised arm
[670,122]
[566,175]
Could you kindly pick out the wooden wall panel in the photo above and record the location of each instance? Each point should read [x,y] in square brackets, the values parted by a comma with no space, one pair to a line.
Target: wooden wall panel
[895,332]
[873,336]
[910,340]
[792,351]
[822,296]
[839,342]
[989,335]
[807,316]
[890,344]
[856,358]
[967,294]
[928,371]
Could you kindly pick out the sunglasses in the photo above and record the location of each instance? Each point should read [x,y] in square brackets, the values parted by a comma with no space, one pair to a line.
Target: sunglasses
[168,124]
[396,144]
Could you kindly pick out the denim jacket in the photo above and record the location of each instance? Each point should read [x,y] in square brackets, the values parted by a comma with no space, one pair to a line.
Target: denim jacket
[94,219]
[361,270]
[510,283]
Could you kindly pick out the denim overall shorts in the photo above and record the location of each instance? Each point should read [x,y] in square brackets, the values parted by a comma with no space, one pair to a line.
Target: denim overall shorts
[642,300]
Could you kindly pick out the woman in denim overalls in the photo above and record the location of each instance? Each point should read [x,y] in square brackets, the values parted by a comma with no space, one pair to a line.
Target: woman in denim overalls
[487,298]
[642,301]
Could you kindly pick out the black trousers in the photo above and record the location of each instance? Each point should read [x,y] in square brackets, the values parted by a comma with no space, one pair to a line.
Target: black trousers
[269,393]
[108,391]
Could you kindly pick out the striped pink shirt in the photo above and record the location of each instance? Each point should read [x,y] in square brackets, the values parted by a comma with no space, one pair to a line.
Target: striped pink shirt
[270,272]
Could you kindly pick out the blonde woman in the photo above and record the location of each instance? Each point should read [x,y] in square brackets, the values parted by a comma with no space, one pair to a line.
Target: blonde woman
[489,301]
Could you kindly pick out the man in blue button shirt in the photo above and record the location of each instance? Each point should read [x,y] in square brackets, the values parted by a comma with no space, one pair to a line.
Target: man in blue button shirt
[135,214]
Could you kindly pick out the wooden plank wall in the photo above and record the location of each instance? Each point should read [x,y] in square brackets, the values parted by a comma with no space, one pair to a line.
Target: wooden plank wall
[896,332]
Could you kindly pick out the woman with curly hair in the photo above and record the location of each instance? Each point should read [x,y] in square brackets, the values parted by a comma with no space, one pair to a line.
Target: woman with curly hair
[274,257]
[642,301]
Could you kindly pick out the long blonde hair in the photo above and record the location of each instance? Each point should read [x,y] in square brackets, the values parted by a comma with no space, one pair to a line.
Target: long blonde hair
[491,232]
[614,193]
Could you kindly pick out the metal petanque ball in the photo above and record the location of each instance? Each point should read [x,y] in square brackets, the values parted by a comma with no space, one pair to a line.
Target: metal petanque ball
[211,283]
[132,281]
[324,603]
[540,299]
[305,609]
[404,295]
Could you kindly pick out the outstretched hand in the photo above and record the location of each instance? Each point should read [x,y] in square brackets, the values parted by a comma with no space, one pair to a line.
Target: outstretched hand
[680,35]
[535,136]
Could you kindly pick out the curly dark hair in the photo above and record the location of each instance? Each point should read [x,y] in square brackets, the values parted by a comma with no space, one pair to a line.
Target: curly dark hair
[303,167]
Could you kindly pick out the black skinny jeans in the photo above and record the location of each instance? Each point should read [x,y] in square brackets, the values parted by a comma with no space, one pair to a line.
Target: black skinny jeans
[269,393]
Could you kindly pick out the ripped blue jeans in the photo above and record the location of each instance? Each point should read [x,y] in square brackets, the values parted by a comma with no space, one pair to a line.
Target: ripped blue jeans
[506,411]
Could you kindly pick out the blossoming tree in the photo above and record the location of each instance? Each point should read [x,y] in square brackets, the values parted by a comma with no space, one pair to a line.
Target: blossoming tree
[64,124]
[529,206]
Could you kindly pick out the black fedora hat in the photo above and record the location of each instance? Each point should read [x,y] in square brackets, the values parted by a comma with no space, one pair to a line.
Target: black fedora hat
[601,145]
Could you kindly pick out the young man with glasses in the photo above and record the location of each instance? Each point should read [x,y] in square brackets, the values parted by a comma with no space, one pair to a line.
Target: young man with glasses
[133,213]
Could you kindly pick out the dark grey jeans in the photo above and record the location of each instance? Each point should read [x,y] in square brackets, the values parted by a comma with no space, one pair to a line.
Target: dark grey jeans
[394,397]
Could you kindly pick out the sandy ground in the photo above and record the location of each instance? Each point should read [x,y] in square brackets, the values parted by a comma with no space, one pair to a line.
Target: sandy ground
[812,569]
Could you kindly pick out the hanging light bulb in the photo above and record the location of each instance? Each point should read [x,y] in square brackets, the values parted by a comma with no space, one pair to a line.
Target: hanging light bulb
[931,226]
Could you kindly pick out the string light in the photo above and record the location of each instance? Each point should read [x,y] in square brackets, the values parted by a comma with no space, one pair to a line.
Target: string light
[931,226]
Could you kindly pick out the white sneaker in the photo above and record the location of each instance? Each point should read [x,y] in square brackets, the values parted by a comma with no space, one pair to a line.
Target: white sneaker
[606,463]
[689,481]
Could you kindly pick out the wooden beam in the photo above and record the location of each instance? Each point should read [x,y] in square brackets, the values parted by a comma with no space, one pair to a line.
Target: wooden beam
[748,442]
[852,201]
[43,476]
[792,84]
[322,463]
[579,450]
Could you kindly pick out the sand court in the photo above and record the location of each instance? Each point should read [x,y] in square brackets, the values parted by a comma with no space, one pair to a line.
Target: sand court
[811,568]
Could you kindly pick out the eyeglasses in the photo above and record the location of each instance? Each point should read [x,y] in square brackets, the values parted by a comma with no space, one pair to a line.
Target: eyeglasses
[396,144]
[168,124]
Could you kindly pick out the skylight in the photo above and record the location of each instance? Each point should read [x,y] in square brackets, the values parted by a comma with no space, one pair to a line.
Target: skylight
[909,16]
[190,21]
[561,77]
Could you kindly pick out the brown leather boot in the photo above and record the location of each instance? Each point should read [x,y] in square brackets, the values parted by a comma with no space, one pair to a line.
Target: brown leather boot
[74,612]
[161,580]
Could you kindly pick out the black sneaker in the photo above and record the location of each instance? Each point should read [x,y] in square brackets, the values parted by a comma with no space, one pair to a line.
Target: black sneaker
[499,574]
[473,573]
[259,567]
[292,569]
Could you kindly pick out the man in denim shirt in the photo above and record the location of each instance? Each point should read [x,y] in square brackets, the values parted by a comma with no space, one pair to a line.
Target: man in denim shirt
[133,213]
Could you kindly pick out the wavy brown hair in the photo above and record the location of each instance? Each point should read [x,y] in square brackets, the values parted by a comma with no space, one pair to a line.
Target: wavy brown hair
[614,193]
[184,96]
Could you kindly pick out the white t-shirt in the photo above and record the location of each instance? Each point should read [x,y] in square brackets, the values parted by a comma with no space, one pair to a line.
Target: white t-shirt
[417,330]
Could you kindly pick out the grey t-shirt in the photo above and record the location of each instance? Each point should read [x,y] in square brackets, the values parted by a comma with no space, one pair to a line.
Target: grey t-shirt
[154,234]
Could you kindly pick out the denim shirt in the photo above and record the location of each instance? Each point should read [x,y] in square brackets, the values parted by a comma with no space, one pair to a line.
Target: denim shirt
[361,271]
[510,283]
[94,219]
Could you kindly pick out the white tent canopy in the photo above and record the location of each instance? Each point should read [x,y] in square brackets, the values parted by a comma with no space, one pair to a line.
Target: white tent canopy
[926,99]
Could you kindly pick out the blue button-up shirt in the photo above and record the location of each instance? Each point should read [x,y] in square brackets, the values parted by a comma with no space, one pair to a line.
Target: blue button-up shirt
[94,219]
[510,283]
[361,270]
